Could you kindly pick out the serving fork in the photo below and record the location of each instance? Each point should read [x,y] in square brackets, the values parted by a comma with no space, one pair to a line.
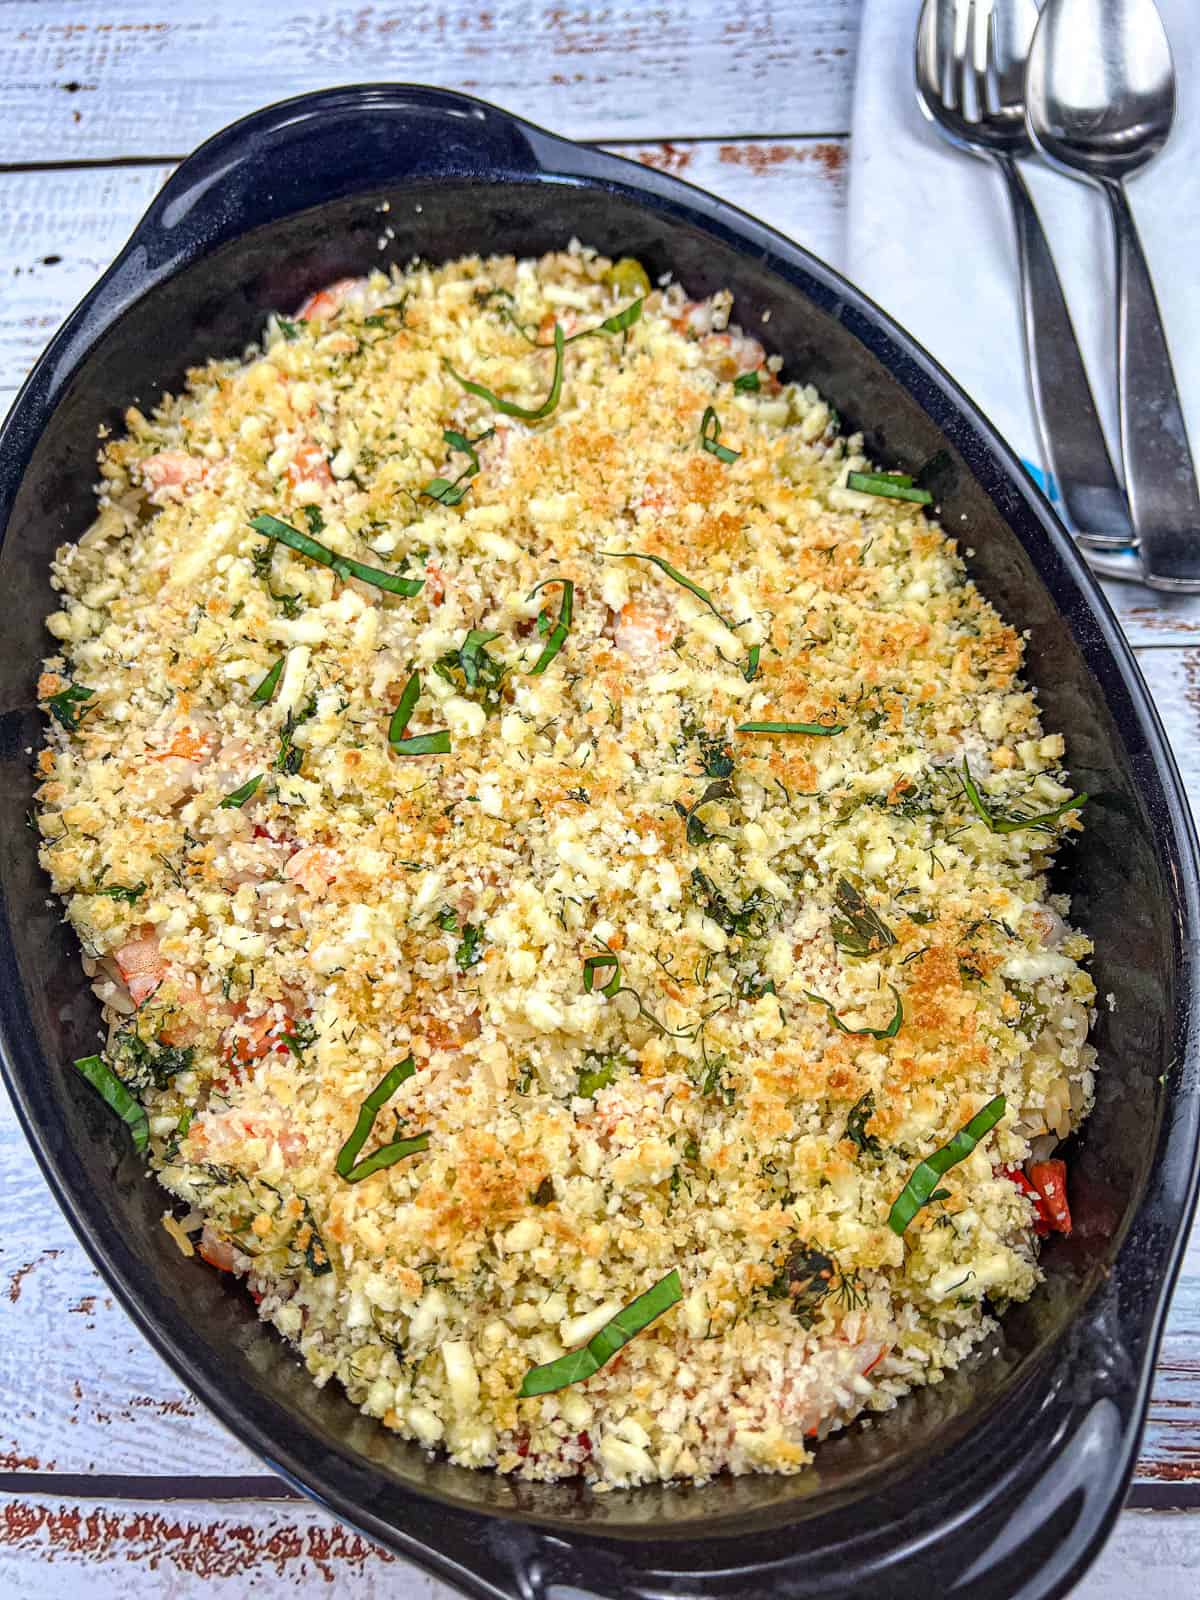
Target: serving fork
[970,71]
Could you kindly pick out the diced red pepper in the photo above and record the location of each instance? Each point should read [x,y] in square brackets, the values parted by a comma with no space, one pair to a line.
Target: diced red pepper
[1041,1223]
[1050,1180]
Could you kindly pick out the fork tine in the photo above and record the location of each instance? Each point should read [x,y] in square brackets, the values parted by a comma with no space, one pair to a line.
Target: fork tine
[993,95]
[968,103]
[946,31]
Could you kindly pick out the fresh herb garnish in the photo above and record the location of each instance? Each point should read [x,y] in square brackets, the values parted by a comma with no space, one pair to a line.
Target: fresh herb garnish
[65,706]
[421,744]
[347,1165]
[712,1078]
[921,1189]
[301,1035]
[620,321]
[117,1097]
[509,409]
[447,918]
[710,432]
[750,670]
[149,1064]
[316,1256]
[805,1279]
[747,383]
[238,798]
[580,1364]
[696,832]
[1013,822]
[861,1113]
[469,954]
[315,518]
[289,329]
[891,485]
[860,930]
[601,963]
[821,729]
[118,891]
[341,566]
[749,920]
[290,758]
[450,491]
[890,1032]
[671,572]
[558,634]
[269,684]
[473,671]
[715,756]
[597,1073]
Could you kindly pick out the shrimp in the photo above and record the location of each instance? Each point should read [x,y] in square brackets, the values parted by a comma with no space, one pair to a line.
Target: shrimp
[248,1039]
[1049,928]
[309,465]
[172,474]
[313,868]
[728,355]
[216,1249]
[435,583]
[141,964]
[327,302]
[223,1135]
[640,633]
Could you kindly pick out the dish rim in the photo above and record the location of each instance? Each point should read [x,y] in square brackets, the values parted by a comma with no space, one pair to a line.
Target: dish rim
[555,159]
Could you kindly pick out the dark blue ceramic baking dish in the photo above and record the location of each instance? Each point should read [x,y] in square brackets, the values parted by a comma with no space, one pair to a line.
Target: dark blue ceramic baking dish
[1000,1482]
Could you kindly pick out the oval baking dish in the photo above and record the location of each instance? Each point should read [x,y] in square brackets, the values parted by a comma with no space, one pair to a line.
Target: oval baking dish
[1004,1479]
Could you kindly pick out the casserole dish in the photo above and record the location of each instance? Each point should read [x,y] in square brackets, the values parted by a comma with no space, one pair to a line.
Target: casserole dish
[1002,1480]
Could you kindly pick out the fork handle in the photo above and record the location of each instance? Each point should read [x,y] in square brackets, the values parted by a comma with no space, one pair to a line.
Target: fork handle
[1163,496]
[1068,423]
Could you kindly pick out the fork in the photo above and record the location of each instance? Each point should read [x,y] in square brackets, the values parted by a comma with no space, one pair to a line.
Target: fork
[970,69]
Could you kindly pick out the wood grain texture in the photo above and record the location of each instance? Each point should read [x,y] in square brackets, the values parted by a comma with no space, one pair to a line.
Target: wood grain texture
[88,82]
[96,1551]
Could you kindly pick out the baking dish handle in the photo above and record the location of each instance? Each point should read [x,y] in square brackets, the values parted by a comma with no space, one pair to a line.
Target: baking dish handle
[326,146]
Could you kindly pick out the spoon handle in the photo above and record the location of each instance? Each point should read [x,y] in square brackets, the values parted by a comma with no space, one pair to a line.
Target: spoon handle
[1164,500]
[1068,423]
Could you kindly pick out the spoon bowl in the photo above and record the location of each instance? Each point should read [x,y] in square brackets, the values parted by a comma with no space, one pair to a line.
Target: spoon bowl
[1100,89]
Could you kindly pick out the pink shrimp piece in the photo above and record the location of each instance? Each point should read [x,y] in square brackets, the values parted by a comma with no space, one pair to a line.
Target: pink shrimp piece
[640,633]
[171,474]
[728,355]
[313,868]
[227,1132]
[309,465]
[1049,927]
[326,302]
[435,583]
[693,316]
[141,964]
[216,1249]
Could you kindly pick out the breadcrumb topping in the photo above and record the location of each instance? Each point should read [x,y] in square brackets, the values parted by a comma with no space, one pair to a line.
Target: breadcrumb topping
[677,996]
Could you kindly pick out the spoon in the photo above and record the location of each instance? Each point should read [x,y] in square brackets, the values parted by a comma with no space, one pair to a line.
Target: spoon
[1100,100]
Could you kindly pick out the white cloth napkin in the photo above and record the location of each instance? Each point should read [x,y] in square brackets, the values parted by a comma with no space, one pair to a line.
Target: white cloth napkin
[929,234]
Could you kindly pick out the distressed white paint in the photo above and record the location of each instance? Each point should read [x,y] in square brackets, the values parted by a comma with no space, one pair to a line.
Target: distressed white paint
[752,99]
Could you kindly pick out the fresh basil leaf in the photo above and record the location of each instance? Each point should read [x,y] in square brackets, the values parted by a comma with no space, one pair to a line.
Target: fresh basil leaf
[342,566]
[117,1097]
[710,432]
[921,1189]
[580,1364]
[891,486]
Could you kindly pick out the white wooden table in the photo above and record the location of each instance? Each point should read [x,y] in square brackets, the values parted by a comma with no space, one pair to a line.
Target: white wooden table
[111,1476]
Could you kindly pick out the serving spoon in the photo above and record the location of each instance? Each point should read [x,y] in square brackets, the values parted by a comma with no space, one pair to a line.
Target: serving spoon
[1100,100]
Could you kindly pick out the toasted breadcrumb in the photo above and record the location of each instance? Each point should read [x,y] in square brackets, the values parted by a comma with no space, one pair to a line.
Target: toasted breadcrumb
[264,963]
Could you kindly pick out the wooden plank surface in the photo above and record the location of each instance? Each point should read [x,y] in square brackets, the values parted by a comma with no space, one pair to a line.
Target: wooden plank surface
[83,82]
[751,102]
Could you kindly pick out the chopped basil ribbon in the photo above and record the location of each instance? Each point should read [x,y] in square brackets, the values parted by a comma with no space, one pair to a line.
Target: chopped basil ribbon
[346,1165]
[117,891]
[449,491]
[824,729]
[710,432]
[421,744]
[580,1364]
[750,671]
[558,634]
[1012,823]
[529,414]
[316,1256]
[860,930]
[671,572]
[922,1187]
[269,684]
[891,485]
[238,798]
[890,1032]
[594,964]
[620,322]
[64,706]
[341,566]
[747,383]
[117,1097]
